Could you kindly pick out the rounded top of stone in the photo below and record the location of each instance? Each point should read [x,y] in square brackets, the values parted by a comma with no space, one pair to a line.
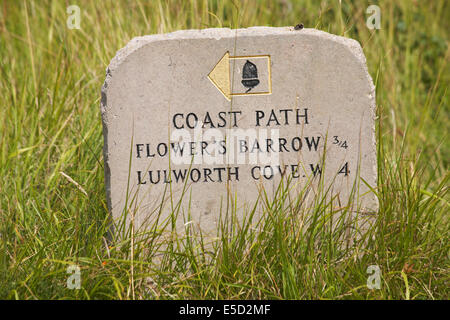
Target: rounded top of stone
[220,33]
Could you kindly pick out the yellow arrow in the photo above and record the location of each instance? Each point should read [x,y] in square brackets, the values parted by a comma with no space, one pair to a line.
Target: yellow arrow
[220,75]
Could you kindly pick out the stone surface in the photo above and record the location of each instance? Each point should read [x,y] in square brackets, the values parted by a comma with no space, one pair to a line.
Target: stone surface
[304,95]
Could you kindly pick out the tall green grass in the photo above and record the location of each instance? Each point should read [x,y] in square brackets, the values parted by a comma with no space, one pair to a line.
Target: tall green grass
[52,200]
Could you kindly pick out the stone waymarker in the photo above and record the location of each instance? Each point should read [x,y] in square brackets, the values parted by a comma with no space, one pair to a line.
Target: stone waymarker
[207,119]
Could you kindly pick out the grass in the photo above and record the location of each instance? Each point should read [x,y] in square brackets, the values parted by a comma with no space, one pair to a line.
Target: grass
[52,199]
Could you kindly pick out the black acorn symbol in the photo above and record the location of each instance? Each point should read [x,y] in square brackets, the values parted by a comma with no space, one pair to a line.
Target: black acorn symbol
[250,76]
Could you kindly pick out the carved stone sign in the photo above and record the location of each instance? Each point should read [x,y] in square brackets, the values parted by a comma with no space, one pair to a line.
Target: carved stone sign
[200,122]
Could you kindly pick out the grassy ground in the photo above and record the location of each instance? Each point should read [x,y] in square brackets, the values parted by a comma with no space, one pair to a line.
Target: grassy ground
[52,200]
